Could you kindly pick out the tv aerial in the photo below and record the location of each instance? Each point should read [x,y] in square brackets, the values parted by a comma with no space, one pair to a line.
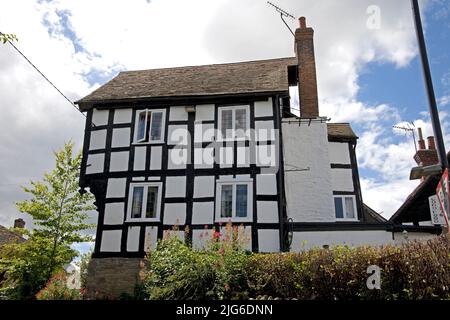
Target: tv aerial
[283,14]
[409,128]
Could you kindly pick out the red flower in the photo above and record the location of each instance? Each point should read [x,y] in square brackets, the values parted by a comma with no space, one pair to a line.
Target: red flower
[217,234]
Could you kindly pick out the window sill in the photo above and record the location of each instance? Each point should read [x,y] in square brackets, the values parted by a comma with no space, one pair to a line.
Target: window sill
[147,142]
[232,220]
[346,220]
[142,220]
[232,139]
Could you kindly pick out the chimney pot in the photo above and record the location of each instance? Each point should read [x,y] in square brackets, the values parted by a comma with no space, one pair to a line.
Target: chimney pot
[421,141]
[302,21]
[19,223]
[431,145]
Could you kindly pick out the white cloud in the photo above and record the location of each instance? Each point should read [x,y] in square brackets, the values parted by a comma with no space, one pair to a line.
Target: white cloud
[386,198]
[444,101]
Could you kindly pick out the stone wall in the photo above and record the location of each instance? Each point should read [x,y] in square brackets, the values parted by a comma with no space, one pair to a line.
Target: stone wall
[108,278]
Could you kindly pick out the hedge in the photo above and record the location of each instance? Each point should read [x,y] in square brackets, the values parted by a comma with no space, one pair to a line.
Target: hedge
[414,270]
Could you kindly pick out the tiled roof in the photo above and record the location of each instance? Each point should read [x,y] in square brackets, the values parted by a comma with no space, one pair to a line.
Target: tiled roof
[7,236]
[341,130]
[215,79]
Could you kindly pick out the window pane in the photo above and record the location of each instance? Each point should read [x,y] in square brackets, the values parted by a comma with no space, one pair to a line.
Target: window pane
[141,126]
[338,208]
[152,195]
[138,196]
[241,119]
[241,200]
[349,208]
[226,205]
[227,123]
[156,130]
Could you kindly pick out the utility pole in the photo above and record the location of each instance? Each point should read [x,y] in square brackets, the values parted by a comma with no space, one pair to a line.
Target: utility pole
[434,114]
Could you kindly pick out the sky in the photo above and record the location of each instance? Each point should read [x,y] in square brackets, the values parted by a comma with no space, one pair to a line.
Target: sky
[368,70]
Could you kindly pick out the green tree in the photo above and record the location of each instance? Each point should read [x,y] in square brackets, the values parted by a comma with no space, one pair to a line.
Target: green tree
[59,215]
[5,37]
[83,264]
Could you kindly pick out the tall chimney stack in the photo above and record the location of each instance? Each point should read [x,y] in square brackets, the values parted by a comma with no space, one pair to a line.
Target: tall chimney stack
[307,81]
[426,157]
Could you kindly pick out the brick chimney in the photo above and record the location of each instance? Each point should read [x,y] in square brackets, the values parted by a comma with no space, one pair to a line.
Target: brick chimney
[307,81]
[19,223]
[426,157]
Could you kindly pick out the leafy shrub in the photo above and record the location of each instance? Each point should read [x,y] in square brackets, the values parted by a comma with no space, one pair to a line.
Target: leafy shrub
[176,271]
[416,270]
[56,289]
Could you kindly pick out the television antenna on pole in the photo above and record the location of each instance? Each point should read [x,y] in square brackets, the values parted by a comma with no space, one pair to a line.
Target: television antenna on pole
[410,128]
[283,13]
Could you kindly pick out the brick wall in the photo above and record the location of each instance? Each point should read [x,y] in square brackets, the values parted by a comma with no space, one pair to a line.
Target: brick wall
[108,278]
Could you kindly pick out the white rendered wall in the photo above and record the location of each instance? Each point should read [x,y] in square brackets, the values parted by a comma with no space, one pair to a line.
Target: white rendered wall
[305,240]
[342,180]
[308,193]
[400,237]
[339,152]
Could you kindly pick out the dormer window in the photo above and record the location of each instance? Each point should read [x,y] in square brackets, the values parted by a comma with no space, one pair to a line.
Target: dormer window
[150,126]
[234,122]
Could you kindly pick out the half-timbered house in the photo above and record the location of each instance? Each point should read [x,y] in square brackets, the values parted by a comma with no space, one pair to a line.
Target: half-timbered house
[202,146]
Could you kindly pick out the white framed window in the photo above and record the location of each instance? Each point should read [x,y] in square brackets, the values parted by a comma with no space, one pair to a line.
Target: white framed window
[144,201]
[345,208]
[149,126]
[234,200]
[234,122]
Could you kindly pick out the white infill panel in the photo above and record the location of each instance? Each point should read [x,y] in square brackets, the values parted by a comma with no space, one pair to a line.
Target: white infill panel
[114,213]
[122,116]
[98,140]
[111,240]
[133,239]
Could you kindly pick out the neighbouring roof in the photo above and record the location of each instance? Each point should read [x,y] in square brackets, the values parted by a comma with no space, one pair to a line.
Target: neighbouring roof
[341,131]
[372,216]
[215,79]
[7,236]
[416,206]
